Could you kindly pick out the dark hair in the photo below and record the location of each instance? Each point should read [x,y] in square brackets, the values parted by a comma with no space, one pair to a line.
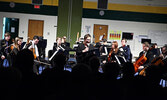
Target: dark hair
[86,36]
[36,37]
[7,34]
[124,39]
[104,40]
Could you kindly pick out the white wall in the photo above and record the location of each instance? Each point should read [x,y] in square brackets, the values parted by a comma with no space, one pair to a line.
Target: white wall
[138,28]
[49,31]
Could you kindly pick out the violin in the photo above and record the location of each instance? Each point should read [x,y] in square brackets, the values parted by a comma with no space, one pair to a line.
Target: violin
[109,55]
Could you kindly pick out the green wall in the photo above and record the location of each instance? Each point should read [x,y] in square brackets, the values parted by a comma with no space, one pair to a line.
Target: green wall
[69,19]
[87,13]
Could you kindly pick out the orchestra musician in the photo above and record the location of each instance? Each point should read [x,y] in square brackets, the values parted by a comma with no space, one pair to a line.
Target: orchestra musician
[114,51]
[148,55]
[15,48]
[5,49]
[33,47]
[65,44]
[126,50]
[84,49]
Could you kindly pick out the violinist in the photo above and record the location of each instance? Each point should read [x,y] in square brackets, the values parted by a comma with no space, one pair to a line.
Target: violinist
[114,51]
[5,49]
[15,48]
[148,54]
[85,48]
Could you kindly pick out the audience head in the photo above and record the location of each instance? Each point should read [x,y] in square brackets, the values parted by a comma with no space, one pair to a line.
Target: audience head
[59,61]
[111,70]
[25,61]
[81,72]
[94,63]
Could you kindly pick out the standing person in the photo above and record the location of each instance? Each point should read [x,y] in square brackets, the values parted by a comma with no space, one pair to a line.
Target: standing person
[15,48]
[84,49]
[126,50]
[33,47]
[5,49]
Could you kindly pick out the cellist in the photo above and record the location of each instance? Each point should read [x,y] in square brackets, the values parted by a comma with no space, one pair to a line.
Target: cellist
[148,56]
[33,47]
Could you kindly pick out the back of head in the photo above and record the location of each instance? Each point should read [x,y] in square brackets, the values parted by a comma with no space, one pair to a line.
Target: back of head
[111,70]
[81,72]
[24,60]
[94,63]
[59,60]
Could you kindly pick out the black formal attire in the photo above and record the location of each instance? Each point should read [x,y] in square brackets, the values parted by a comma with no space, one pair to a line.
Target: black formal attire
[13,54]
[5,51]
[82,56]
[149,56]
[126,53]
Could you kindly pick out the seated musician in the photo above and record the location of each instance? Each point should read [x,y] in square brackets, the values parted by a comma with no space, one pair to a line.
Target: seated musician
[148,54]
[103,48]
[65,44]
[164,52]
[15,48]
[126,50]
[85,48]
[114,51]
[58,44]
[5,49]
[155,50]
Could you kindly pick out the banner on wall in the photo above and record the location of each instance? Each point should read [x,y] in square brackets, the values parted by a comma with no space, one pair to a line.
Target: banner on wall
[115,35]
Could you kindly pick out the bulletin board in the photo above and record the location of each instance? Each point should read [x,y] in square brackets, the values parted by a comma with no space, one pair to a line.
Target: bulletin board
[159,37]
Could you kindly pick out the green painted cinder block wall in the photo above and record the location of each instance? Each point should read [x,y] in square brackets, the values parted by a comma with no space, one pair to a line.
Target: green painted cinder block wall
[69,19]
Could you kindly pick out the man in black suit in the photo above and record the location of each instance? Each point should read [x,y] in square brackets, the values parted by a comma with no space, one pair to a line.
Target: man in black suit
[84,49]
[5,49]
[149,55]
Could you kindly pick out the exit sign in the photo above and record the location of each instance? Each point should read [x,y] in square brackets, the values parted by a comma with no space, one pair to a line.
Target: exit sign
[37,6]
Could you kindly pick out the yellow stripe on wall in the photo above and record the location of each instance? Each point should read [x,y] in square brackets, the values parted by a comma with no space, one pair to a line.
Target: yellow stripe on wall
[137,8]
[51,2]
[111,6]
[90,5]
[45,2]
[18,1]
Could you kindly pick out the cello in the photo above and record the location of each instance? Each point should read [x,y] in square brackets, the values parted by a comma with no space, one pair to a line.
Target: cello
[140,61]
